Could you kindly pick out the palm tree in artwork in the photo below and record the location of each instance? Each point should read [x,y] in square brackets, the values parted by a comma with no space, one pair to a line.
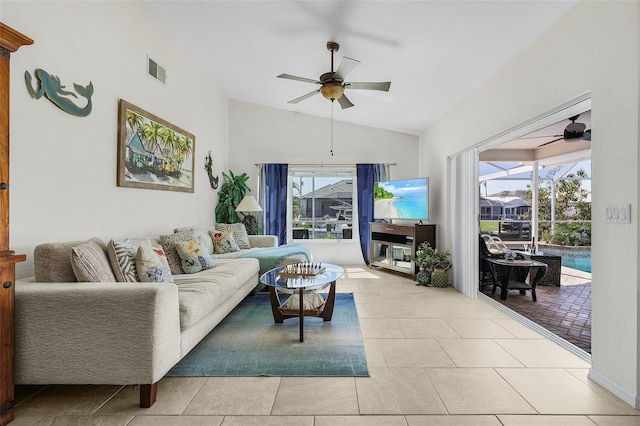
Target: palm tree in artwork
[151,135]
[167,143]
[134,121]
[183,149]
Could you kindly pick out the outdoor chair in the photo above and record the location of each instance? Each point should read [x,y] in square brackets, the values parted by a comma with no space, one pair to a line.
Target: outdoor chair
[487,276]
[494,244]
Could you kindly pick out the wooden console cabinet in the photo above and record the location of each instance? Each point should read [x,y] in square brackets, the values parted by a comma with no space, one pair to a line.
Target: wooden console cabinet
[10,41]
[392,245]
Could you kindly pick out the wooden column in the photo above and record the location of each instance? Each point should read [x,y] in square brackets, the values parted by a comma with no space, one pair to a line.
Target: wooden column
[10,41]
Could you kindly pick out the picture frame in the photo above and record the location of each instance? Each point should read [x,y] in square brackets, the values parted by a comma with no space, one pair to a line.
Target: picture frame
[153,153]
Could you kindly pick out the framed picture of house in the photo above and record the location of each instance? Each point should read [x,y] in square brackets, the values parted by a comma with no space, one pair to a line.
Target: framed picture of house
[153,153]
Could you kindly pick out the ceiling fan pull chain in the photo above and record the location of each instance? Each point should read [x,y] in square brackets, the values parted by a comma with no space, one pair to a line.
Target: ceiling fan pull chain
[332,128]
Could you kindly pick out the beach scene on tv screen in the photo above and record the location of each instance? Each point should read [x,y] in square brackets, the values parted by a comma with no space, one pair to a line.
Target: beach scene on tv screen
[401,199]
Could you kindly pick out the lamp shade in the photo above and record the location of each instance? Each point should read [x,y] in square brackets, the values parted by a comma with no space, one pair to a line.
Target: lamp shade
[248,204]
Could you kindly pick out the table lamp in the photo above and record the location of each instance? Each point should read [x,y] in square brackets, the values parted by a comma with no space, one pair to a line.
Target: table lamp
[249,204]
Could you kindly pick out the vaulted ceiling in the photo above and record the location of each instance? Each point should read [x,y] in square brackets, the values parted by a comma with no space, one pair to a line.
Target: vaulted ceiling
[435,53]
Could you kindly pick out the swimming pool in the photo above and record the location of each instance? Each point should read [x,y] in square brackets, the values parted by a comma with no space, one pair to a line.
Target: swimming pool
[572,257]
[580,263]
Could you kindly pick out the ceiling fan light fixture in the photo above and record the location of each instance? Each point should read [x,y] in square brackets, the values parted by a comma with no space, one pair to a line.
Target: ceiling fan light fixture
[574,130]
[332,90]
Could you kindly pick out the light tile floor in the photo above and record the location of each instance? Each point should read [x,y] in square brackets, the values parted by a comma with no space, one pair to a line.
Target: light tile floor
[435,358]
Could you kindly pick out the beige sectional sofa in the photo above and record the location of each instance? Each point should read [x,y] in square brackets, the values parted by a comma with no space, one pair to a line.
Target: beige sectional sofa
[125,333]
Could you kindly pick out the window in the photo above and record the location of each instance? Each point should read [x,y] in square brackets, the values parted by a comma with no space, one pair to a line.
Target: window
[321,200]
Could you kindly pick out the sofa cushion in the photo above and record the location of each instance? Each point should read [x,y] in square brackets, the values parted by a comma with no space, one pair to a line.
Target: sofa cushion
[195,256]
[52,262]
[122,256]
[223,241]
[168,245]
[90,263]
[199,294]
[239,233]
[152,265]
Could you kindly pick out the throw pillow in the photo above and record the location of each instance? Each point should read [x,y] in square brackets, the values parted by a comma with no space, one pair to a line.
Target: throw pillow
[309,301]
[152,266]
[168,243]
[239,233]
[90,262]
[122,256]
[223,241]
[195,256]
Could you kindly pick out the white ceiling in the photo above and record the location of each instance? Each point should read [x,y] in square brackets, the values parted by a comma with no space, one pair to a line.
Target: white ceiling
[433,52]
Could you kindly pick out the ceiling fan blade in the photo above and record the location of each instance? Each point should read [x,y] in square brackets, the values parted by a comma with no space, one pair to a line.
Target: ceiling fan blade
[344,102]
[293,77]
[303,97]
[550,142]
[383,85]
[540,137]
[346,66]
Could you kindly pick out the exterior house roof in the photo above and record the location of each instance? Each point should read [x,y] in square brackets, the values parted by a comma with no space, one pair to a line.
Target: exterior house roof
[504,202]
[136,145]
[339,190]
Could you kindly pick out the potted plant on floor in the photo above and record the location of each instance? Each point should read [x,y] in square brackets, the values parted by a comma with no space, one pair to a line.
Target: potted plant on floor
[431,261]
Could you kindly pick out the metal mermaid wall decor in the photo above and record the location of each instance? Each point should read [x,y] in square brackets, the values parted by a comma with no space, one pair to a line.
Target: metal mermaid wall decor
[208,163]
[51,87]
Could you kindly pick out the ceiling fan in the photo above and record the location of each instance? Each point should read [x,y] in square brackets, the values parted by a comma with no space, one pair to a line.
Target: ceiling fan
[333,84]
[574,132]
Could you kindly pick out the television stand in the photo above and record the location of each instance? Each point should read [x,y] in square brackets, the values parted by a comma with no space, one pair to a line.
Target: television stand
[392,246]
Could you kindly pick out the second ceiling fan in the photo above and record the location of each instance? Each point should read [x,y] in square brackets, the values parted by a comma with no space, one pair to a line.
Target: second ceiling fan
[333,84]
[574,132]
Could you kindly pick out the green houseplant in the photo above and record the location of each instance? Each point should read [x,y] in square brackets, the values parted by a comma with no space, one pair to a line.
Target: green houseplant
[431,260]
[231,193]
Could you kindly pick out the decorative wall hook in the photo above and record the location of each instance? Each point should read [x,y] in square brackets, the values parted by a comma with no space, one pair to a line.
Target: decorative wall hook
[51,87]
[208,162]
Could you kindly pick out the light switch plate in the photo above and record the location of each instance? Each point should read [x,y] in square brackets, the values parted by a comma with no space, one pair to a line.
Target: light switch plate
[617,213]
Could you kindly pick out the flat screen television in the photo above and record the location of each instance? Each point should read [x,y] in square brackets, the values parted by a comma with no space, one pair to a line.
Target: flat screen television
[406,199]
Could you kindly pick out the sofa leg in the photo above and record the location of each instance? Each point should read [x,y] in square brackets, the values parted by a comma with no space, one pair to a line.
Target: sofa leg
[148,394]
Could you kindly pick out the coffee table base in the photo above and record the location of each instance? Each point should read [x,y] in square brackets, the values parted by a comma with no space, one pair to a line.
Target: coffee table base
[326,312]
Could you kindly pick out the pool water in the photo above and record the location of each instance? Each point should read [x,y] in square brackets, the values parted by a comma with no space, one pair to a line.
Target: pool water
[580,263]
[572,257]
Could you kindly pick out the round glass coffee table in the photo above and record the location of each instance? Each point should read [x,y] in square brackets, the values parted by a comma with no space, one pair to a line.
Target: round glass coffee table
[279,285]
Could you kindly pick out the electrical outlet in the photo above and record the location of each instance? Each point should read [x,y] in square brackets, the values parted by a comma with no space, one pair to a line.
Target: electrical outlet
[618,213]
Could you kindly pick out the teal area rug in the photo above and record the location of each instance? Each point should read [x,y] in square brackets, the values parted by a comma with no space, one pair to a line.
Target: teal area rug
[249,343]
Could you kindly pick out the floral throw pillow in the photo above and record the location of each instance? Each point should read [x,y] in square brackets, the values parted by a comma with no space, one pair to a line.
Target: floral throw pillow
[223,241]
[195,257]
[152,266]
[168,243]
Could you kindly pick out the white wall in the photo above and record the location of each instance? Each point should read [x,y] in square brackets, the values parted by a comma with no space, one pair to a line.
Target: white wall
[63,168]
[266,135]
[592,48]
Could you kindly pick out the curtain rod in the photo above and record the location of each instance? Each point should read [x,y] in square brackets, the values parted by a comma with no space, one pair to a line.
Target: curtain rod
[323,165]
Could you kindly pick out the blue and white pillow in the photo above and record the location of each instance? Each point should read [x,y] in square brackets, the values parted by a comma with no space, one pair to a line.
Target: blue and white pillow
[152,265]
[195,256]
[223,241]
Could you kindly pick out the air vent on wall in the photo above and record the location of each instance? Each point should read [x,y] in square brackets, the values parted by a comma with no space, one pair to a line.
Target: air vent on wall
[156,71]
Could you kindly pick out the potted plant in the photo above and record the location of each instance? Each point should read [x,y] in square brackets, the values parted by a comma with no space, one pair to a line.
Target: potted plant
[431,260]
[230,195]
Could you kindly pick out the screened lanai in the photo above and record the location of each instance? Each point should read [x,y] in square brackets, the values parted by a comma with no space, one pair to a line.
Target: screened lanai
[532,183]
[536,191]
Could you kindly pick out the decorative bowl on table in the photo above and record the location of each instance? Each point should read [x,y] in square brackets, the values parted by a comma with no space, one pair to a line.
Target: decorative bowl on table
[510,255]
